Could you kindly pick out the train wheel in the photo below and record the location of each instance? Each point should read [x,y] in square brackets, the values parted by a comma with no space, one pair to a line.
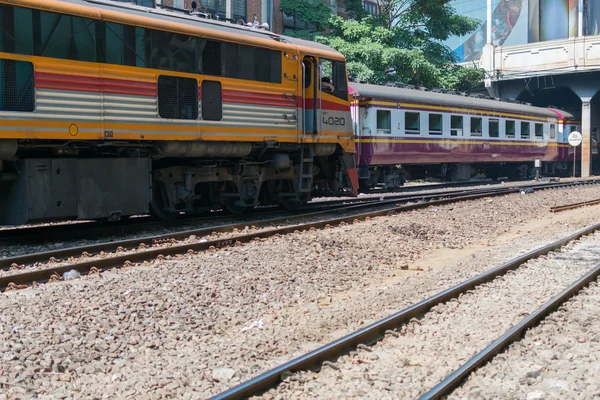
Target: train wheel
[157,208]
[233,207]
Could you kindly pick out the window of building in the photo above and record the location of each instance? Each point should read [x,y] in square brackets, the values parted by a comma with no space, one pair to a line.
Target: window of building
[494,128]
[384,122]
[412,123]
[239,9]
[539,131]
[525,130]
[511,128]
[177,97]
[552,131]
[456,125]
[435,124]
[476,126]
[370,7]
[16,86]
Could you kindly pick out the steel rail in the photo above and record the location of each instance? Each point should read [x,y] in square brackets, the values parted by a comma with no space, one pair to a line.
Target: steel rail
[148,240]
[91,229]
[336,208]
[43,275]
[514,334]
[376,331]
[68,231]
[575,205]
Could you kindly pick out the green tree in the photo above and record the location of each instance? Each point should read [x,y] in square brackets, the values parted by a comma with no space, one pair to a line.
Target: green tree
[401,44]
[312,11]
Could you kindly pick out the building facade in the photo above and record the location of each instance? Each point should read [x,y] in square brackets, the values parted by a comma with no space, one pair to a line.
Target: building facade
[264,11]
[545,52]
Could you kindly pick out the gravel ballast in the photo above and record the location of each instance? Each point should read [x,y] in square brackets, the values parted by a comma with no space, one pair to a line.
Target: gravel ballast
[428,349]
[195,325]
[559,359]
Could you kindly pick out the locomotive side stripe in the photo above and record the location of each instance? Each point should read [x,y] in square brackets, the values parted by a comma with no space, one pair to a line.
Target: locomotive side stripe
[44,80]
[87,84]
[457,110]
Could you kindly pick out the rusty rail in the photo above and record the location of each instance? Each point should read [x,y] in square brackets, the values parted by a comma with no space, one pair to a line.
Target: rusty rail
[575,205]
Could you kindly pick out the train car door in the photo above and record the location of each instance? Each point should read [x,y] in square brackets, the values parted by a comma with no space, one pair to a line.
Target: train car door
[311,101]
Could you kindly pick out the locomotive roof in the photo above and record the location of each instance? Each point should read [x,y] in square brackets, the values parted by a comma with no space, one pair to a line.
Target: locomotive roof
[446,99]
[222,27]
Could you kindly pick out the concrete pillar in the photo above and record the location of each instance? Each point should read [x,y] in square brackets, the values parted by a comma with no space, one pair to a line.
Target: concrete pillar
[580,5]
[586,133]
[228,9]
[489,22]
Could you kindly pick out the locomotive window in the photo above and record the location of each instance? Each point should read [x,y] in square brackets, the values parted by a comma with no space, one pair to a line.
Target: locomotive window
[525,130]
[539,131]
[384,122]
[16,86]
[476,125]
[67,37]
[211,57]
[251,63]
[172,51]
[246,62]
[435,124]
[552,131]
[494,128]
[125,45]
[511,127]
[456,125]
[262,64]
[177,97]
[412,125]
[15,30]
[333,78]
[307,74]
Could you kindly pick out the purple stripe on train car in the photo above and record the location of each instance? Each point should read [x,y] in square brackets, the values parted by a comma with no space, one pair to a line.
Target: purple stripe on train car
[451,151]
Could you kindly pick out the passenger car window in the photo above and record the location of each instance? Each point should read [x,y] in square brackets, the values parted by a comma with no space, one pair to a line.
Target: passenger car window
[456,125]
[412,123]
[384,122]
[476,124]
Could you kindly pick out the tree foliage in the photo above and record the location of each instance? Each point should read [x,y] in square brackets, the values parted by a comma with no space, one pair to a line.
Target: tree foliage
[403,43]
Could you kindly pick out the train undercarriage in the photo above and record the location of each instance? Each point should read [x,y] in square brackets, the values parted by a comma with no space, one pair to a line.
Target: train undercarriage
[394,176]
[82,180]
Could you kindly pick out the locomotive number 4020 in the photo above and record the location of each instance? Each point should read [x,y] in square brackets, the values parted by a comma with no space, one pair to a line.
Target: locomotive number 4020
[334,121]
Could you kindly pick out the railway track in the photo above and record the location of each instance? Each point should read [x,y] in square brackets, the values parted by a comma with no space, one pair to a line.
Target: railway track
[514,334]
[328,217]
[389,326]
[575,205]
[97,229]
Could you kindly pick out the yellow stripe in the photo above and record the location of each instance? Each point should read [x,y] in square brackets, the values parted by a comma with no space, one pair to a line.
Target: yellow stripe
[455,110]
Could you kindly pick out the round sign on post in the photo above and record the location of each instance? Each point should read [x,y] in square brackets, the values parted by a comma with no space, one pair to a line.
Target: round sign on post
[574,140]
